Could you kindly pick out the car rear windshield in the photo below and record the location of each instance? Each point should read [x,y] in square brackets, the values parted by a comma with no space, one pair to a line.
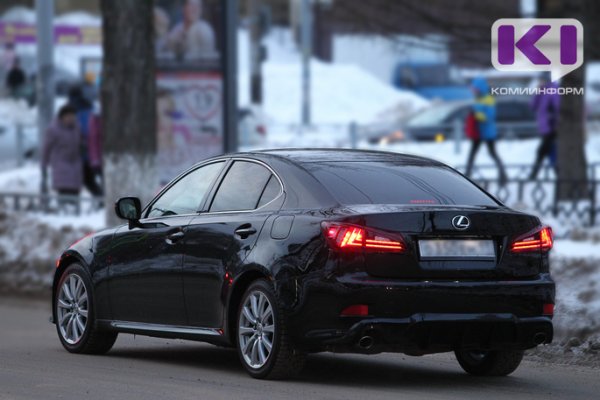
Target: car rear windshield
[397,183]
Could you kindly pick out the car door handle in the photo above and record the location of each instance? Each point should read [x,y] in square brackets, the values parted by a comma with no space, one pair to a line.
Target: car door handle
[174,237]
[245,230]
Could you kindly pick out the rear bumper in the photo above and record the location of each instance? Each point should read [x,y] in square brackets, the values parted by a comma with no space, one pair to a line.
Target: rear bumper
[421,317]
[433,333]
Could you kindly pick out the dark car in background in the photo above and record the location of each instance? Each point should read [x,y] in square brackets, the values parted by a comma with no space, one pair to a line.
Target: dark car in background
[514,117]
[283,253]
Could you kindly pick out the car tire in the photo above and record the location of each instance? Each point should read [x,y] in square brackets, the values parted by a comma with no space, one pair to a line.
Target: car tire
[489,363]
[260,309]
[74,310]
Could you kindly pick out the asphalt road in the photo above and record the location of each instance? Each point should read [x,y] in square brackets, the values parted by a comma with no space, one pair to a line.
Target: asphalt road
[33,365]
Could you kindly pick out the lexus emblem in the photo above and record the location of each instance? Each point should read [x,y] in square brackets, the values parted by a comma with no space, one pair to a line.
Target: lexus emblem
[460,222]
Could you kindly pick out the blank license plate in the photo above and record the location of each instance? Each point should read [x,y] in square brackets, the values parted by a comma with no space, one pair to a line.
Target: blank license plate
[441,248]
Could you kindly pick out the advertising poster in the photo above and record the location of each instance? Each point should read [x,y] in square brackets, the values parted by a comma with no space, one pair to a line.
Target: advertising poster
[189,83]
[190,119]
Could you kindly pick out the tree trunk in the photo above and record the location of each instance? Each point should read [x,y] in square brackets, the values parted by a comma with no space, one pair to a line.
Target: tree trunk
[571,160]
[128,101]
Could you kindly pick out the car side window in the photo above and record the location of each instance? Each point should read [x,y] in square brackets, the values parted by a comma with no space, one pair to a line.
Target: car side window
[512,111]
[271,191]
[242,187]
[187,194]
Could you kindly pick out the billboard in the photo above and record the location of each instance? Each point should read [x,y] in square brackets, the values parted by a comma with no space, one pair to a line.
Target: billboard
[23,33]
[188,45]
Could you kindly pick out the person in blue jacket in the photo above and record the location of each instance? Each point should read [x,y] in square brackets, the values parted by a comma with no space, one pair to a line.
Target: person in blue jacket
[484,110]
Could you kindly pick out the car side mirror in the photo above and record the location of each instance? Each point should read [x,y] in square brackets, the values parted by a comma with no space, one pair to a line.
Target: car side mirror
[129,208]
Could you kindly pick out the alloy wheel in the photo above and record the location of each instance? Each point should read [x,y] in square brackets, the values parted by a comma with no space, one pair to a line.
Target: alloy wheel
[72,307]
[256,329]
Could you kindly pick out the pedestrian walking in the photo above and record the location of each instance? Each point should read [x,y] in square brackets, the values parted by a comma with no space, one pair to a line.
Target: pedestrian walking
[62,153]
[546,106]
[84,109]
[15,80]
[483,120]
[7,59]
[95,149]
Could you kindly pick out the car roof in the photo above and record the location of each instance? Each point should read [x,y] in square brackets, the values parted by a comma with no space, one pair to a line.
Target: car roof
[297,166]
[312,155]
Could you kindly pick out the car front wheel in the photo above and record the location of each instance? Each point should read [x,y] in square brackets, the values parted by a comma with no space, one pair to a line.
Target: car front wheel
[489,363]
[263,343]
[74,310]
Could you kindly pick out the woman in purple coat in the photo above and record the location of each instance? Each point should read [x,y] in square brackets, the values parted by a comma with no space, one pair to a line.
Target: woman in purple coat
[62,152]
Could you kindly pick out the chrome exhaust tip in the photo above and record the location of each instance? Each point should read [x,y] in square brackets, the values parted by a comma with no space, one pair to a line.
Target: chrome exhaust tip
[366,342]
[539,338]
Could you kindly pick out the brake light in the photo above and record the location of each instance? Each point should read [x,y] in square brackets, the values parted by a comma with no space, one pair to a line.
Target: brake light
[548,309]
[541,239]
[355,310]
[352,237]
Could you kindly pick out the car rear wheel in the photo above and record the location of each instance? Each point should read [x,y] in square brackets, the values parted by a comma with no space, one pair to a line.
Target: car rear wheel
[263,343]
[74,310]
[489,363]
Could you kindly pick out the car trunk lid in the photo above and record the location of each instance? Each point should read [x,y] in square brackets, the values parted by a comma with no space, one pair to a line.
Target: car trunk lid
[448,242]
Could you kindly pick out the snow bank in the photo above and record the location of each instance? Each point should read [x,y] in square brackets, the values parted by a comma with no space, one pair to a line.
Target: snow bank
[22,180]
[29,268]
[340,93]
[575,267]
[16,112]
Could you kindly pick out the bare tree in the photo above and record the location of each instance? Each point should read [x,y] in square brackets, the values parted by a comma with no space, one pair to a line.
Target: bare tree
[128,101]
[571,158]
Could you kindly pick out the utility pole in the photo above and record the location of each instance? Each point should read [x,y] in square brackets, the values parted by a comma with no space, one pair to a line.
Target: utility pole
[45,62]
[230,110]
[306,36]
[256,53]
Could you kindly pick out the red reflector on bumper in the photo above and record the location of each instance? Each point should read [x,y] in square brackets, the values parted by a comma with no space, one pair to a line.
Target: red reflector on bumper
[548,309]
[355,310]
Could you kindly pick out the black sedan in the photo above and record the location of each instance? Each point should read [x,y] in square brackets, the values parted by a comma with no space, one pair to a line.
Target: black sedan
[288,252]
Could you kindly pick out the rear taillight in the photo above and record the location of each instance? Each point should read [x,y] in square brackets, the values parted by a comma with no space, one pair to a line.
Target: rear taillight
[355,310]
[357,238]
[538,240]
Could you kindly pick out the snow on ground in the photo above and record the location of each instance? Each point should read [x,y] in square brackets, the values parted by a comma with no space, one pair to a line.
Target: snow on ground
[15,112]
[568,248]
[340,93]
[510,151]
[93,221]
[575,267]
[27,268]
[26,179]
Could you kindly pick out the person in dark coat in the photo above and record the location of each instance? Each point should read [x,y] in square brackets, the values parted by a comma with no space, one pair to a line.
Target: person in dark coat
[95,149]
[62,153]
[546,107]
[15,79]
[85,110]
